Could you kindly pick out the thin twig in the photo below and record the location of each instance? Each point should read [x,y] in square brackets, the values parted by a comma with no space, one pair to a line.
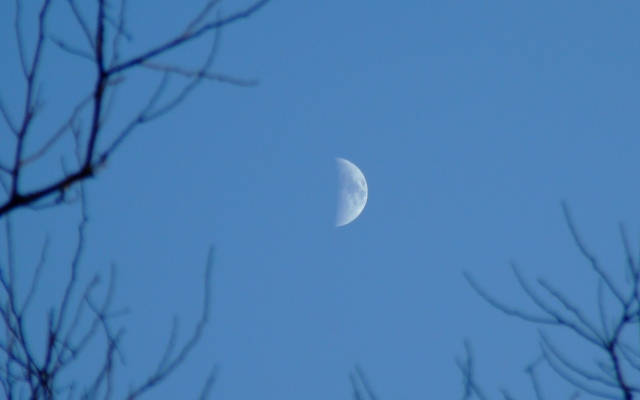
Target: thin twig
[83,24]
[186,349]
[7,118]
[247,12]
[587,254]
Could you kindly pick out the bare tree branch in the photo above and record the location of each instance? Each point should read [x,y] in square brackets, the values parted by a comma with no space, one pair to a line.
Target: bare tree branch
[361,387]
[187,37]
[57,134]
[618,365]
[200,74]
[71,49]
[7,119]
[168,365]
[82,314]
[531,371]
[31,100]
[83,24]
[107,74]
[587,254]
[466,366]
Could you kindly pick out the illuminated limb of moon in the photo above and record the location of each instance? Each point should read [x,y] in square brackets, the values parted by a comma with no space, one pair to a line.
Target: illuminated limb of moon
[353,192]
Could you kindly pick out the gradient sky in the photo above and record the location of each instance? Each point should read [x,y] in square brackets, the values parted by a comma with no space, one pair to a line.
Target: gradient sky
[471,121]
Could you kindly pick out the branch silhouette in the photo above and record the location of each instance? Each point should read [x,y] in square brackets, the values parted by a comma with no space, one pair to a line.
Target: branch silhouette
[83,313]
[110,71]
[615,372]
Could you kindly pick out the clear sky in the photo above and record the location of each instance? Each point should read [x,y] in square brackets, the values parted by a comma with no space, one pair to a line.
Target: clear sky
[471,122]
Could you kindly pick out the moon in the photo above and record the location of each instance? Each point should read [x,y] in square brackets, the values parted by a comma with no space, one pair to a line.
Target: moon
[353,192]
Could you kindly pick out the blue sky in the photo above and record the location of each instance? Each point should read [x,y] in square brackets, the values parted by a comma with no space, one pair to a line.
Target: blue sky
[471,121]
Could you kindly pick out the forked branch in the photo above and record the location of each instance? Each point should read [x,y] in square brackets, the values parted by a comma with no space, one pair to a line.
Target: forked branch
[618,375]
[108,73]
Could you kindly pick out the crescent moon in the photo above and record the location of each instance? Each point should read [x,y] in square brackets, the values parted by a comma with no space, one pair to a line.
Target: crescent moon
[353,192]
